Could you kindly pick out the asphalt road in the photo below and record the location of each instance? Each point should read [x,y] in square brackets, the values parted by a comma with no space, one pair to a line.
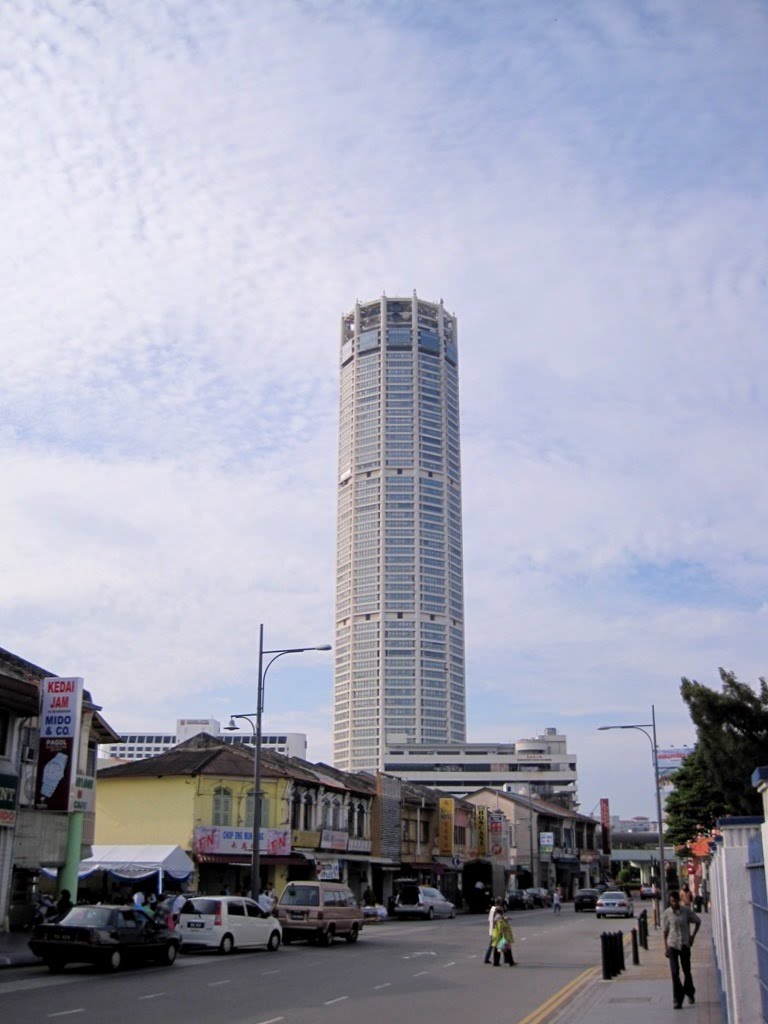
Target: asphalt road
[399,971]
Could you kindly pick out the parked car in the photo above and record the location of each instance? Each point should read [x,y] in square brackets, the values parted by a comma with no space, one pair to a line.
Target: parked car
[106,936]
[647,892]
[422,901]
[585,899]
[519,899]
[319,911]
[541,897]
[614,903]
[226,923]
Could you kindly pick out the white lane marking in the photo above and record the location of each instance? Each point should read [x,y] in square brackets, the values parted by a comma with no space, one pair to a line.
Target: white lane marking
[385,985]
[451,964]
[213,984]
[272,1020]
[66,1013]
[339,999]
[152,995]
[265,973]
[419,973]
[314,963]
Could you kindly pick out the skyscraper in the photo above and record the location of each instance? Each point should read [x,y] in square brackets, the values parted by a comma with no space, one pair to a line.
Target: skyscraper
[399,670]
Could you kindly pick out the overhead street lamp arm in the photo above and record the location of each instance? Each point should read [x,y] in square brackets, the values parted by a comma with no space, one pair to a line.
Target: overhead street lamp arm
[655,756]
[254,720]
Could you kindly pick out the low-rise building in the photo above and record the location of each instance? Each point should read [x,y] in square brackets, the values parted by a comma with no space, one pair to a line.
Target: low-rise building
[47,780]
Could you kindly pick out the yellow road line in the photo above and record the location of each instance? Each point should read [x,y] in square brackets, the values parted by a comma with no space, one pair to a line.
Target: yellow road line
[556,1001]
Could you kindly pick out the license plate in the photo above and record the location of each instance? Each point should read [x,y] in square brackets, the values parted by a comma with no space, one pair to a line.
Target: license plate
[296,915]
[195,924]
[63,938]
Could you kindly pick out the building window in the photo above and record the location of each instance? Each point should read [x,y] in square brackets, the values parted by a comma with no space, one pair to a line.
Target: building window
[222,806]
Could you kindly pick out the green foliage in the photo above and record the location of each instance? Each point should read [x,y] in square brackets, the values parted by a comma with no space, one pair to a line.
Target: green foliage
[624,877]
[732,740]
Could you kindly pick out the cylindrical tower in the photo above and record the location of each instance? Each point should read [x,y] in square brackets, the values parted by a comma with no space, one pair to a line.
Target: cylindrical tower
[399,670]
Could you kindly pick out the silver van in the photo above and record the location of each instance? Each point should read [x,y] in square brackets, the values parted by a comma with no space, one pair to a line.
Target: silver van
[318,912]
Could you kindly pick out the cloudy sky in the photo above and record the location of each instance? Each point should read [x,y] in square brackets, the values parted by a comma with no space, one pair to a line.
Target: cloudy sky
[195,192]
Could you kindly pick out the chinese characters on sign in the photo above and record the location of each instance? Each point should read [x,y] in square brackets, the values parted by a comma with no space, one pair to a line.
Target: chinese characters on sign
[275,842]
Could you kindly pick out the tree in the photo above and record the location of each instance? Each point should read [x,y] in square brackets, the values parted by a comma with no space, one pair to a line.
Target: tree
[694,805]
[732,740]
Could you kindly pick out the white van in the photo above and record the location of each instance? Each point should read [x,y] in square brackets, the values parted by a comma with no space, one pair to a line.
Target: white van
[226,923]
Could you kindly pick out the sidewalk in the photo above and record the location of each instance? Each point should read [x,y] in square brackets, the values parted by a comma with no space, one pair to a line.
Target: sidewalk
[642,994]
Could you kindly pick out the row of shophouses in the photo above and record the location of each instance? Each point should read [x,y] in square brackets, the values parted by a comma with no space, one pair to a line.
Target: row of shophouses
[316,821]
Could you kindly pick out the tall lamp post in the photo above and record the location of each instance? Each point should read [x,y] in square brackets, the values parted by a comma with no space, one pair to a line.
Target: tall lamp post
[254,719]
[655,756]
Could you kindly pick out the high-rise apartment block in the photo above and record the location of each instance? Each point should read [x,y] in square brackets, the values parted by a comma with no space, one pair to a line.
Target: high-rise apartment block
[399,670]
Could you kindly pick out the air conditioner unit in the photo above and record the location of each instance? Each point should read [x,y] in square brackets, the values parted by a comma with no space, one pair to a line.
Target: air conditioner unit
[27,755]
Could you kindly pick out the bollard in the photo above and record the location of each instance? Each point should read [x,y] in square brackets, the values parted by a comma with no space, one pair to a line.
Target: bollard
[620,946]
[606,956]
[642,925]
[635,950]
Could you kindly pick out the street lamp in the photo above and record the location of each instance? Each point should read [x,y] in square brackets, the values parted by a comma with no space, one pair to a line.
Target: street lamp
[256,727]
[655,756]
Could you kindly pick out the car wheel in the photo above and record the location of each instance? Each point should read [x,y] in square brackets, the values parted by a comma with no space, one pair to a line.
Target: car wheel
[54,966]
[452,913]
[170,953]
[353,934]
[430,914]
[274,942]
[328,936]
[114,960]
[226,945]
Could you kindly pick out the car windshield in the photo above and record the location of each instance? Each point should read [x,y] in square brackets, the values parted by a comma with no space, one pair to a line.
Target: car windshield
[88,917]
[301,896]
[587,892]
[614,896]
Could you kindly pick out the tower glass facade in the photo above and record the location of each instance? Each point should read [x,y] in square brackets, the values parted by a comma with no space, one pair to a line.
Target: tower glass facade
[399,669]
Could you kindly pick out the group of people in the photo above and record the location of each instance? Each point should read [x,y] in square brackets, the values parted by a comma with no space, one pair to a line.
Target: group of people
[500,937]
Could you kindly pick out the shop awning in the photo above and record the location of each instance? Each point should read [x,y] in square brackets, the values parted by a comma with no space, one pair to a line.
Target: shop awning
[244,859]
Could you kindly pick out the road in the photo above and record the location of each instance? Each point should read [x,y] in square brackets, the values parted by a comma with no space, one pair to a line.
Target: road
[399,971]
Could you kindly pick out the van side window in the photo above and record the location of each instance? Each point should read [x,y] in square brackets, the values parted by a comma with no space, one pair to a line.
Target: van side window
[329,897]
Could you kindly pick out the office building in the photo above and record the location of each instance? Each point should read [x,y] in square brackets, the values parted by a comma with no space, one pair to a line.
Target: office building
[540,767]
[399,668]
[135,746]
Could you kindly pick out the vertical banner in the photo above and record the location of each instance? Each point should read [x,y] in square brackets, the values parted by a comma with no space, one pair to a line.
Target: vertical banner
[605,822]
[60,705]
[446,826]
[481,825]
[496,833]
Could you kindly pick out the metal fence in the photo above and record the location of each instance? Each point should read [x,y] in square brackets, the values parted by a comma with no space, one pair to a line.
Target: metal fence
[756,867]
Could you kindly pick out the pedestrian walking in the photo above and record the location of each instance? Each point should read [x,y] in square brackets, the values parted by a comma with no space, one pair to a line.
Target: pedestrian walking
[557,901]
[493,913]
[676,923]
[502,939]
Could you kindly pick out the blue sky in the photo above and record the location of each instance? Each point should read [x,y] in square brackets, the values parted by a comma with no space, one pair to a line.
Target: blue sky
[195,193]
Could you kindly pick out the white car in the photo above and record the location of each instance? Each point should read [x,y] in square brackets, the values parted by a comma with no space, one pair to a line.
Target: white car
[422,901]
[614,903]
[226,923]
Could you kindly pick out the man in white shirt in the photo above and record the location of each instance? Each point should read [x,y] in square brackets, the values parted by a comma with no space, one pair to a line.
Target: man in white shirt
[138,898]
[676,922]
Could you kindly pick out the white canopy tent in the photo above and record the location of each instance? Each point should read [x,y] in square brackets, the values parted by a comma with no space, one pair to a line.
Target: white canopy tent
[131,863]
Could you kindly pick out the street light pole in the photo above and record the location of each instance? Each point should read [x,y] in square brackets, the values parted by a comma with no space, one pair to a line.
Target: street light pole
[257,716]
[655,757]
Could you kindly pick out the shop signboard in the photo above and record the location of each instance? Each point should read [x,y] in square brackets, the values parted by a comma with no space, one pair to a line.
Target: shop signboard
[275,842]
[9,788]
[60,707]
[446,826]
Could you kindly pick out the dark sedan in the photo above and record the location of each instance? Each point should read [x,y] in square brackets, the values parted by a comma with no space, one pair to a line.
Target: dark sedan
[105,936]
[519,899]
[585,899]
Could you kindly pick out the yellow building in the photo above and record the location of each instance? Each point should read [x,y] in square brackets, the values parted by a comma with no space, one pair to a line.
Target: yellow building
[199,796]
